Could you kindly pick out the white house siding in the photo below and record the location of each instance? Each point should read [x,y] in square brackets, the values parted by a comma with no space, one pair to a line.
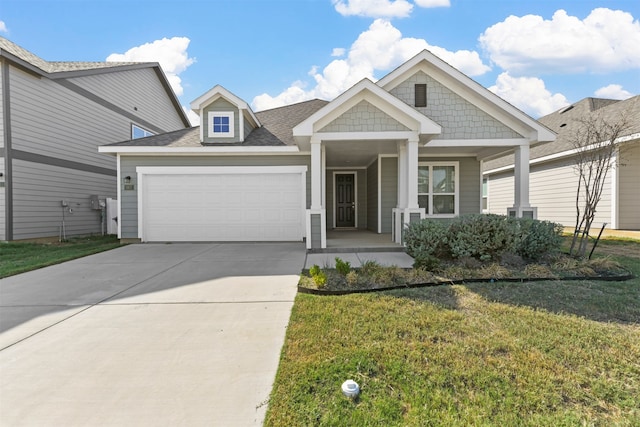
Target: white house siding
[629,189]
[372,197]
[552,189]
[129,198]
[458,117]
[139,88]
[38,190]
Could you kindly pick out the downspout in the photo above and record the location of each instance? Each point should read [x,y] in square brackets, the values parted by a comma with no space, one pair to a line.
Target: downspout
[8,155]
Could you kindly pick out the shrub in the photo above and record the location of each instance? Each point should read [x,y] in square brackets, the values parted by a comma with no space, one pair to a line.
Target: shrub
[536,238]
[343,267]
[484,237]
[352,278]
[426,242]
[319,277]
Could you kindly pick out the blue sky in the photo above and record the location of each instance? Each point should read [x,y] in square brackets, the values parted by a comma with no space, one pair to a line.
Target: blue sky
[540,55]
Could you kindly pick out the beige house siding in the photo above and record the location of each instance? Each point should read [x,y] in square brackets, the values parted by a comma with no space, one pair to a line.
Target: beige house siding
[458,117]
[629,189]
[552,189]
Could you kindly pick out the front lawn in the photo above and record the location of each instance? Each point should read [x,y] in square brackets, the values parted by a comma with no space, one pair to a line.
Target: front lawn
[537,354]
[19,257]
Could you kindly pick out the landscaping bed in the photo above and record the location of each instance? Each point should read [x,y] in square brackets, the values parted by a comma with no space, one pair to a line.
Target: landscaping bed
[374,277]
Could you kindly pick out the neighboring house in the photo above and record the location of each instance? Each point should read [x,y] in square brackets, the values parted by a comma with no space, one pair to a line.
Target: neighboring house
[553,179]
[53,116]
[377,157]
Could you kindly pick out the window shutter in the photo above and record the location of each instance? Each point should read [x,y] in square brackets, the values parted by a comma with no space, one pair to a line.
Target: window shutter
[421,95]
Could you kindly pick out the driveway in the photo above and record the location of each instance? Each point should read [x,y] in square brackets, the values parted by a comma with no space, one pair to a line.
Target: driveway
[152,334]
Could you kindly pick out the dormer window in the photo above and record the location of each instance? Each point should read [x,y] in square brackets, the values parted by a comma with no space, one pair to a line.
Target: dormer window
[221,124]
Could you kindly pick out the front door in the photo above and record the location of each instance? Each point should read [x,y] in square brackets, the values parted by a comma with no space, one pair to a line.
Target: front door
[345,200]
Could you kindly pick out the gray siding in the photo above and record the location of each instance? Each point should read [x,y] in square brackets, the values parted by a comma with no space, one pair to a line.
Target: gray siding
[2,201]
[628,189]
[364,117]
[316,231]
[458,117]
[224,106]
[38,192]
[552,189]
[140,89]
[1,111]
[389,190]
[372,197]
[129,199]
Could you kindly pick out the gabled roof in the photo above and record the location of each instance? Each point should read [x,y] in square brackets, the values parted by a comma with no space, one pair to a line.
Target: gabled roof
[471,91]
[367,90]
[276,131]
[217,92]
[565,123]
[62,70]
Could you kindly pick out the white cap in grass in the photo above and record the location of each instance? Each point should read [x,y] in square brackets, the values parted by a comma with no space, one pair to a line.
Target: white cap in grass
[350,389]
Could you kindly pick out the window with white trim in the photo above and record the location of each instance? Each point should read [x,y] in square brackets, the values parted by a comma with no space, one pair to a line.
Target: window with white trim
[220,124]
[138,132]
[485,194]
[438,188]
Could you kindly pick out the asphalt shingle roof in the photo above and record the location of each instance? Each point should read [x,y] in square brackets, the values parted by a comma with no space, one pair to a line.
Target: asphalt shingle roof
[565,122]
[276,130]
[56,66]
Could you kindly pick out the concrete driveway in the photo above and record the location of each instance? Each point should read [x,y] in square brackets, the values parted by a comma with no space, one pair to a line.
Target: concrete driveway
[153,334]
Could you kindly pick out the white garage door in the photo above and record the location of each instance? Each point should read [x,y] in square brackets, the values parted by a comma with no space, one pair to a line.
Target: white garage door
[223,204]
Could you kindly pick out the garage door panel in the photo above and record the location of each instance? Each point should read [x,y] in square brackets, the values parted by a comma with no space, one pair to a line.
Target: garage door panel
[223,207]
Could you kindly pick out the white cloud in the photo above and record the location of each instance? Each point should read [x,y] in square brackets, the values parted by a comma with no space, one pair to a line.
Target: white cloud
[528,94]
[613,91]
[380,48]
[3,27]
[171,54]
[194,119]
[338,51]
[374,8]
[433,3]
[606,40]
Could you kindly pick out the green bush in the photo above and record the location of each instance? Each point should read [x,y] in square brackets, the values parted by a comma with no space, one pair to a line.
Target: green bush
[484,237]
[343,267]
[536,238]
[426,242]
[319,277]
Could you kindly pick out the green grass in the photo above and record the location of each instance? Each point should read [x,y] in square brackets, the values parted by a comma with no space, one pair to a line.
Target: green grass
[494,354]
[19,257]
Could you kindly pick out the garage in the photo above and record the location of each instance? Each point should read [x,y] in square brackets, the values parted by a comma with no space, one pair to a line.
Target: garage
[221,203]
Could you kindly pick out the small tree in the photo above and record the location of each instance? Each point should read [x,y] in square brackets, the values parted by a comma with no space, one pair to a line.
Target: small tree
[596,142]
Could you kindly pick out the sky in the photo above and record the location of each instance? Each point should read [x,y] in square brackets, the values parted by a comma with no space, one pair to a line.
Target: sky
[539,55]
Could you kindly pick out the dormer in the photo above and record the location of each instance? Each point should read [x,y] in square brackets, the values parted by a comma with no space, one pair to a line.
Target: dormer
[224,118]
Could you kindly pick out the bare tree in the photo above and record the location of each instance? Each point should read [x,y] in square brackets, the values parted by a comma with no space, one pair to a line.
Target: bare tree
[596,141]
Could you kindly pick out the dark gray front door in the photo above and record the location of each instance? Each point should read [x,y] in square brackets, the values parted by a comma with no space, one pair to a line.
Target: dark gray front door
[345,200]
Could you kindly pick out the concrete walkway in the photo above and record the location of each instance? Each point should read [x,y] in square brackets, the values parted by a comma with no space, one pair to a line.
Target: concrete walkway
[154,334]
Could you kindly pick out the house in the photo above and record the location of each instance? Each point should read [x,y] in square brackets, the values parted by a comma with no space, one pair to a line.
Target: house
[379,156]
[53,116]
[553,179]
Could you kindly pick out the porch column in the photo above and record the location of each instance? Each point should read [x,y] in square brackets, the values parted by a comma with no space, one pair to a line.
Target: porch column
[521,206]
[412,173]
[316,230]
[402,175]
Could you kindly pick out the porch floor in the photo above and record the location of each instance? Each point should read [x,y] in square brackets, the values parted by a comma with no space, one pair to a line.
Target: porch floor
[359,241]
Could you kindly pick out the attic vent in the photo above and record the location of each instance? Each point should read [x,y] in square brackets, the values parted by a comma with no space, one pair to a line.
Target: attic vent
[570,107]
[420,95]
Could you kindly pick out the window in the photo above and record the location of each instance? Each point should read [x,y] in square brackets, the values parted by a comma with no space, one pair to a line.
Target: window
[221,124]
[438,188]
[138,132]
[420,95]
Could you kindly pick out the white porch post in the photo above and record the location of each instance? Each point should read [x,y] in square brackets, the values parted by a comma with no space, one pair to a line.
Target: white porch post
[412,174]
[402,175]
[521,206]
[316,174]
[316,216]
